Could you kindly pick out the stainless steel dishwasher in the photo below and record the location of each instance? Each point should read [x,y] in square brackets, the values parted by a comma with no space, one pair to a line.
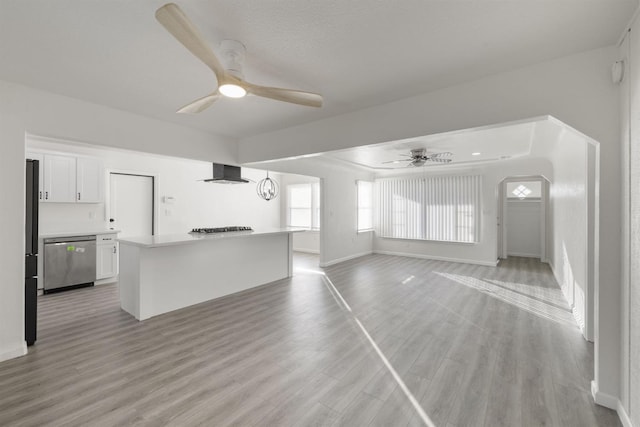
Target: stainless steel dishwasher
[69,261]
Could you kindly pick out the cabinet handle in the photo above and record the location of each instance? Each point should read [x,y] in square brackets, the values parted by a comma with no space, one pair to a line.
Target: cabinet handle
[40,195]
[46,195]
[114,250]
[78,196]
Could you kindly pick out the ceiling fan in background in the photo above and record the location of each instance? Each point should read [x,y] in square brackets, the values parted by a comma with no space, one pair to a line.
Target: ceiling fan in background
[419,157]
[230,80]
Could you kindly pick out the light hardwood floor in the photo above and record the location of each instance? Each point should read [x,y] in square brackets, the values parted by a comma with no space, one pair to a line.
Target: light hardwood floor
[472,345]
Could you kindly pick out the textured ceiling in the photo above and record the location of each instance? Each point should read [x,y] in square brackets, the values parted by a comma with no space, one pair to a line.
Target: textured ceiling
[356,53]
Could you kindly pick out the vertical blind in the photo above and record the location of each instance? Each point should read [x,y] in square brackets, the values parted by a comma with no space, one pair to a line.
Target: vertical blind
[440,208]
[365,205]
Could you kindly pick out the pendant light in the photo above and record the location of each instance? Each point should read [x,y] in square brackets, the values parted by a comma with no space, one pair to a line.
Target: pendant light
[267,188]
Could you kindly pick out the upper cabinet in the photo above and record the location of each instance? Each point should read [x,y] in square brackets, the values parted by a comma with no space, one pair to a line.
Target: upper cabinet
[88,178]
[68,178]
[59,178]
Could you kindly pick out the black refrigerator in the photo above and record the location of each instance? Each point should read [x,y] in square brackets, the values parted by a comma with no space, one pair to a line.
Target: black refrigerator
[31,252]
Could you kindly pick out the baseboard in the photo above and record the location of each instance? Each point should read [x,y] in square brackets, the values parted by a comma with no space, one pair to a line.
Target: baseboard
[624,417]
[347,258]
[603,399]
[17,351]
[579,320]
[523,255]
[106,281]
[611,402]
[438,258]
[307,251]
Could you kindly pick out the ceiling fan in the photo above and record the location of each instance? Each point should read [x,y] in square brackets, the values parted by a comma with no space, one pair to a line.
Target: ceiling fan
[231,81]
[419,157]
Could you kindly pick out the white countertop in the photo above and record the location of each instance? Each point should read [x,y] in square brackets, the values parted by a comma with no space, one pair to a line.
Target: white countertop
[77,233]
[186,238]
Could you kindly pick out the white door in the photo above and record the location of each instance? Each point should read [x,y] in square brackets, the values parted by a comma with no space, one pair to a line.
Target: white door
[524,219]
[523,228]
[131,204]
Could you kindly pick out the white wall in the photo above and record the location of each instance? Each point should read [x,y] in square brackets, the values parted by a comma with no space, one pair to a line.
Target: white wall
[568,204]
[576,89]
[12,222]
[339,239]
[25,110]
[308,240]
[485,251]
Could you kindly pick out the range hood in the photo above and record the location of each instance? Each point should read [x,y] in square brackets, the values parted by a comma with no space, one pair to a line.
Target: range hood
[226,174]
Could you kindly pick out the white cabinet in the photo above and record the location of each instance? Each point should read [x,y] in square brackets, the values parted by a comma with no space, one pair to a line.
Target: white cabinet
[59,178]
[68,178]
[88,177]
[107,256]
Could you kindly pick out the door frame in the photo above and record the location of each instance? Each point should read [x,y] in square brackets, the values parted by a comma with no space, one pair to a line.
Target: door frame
[503,215]
[154,192]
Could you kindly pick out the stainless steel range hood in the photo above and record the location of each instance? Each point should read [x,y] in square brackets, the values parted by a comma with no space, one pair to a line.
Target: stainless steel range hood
[226,174]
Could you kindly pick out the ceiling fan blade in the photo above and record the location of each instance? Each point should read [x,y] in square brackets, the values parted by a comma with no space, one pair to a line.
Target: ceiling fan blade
[308,99]
[177,23]
[439,160]
[199,104]
[437,155]
[398,161]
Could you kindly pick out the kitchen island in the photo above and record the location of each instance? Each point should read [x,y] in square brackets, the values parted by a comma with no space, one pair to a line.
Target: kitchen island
[162,273]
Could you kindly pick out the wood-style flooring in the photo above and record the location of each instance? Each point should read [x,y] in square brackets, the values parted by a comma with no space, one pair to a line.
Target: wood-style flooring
[376,341]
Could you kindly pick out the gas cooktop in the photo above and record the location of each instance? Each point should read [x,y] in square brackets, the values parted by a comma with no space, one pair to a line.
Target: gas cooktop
[222,229]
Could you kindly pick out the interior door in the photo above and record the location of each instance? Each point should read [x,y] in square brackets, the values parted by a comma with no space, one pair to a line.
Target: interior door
[131,204]
[524,217]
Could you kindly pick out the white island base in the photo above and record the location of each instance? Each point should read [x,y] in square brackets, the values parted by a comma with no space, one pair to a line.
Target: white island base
[159,274]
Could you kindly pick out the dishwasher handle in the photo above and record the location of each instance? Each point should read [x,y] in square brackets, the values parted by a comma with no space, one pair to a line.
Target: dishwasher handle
[70,239]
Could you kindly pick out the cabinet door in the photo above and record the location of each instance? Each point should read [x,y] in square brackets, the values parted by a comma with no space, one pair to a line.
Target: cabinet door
[59,178]
[107,262]
[40,158]
[88,180]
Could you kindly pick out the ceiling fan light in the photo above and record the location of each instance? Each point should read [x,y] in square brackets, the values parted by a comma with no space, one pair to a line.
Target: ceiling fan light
[232,91]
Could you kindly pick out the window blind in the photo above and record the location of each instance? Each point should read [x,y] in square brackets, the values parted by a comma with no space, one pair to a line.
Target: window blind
[439,208]
[365,205]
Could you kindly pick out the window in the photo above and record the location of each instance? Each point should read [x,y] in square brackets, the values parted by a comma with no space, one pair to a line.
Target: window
[442,208]
[521,192]
[365,205]
[524,190]
[303,205]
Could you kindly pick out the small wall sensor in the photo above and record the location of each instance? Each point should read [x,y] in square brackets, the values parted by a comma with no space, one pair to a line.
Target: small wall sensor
[617,72]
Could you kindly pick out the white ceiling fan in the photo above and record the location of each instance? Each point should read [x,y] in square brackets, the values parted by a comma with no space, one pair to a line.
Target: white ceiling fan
[231,81]
[419,157]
